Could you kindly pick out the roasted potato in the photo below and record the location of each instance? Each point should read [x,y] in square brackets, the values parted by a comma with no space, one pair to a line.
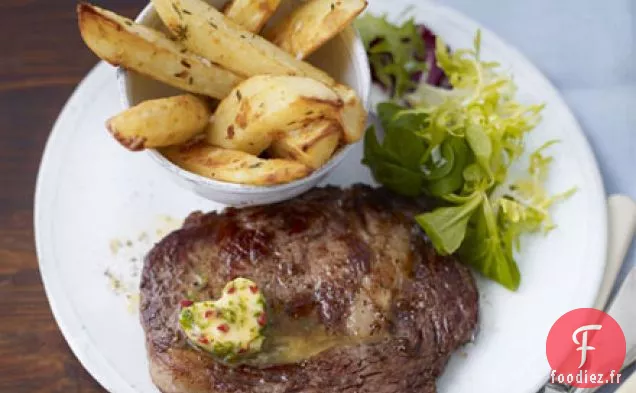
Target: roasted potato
[312,24]
[264,107]
[122,42]
[161,122]
[235,166]
[251,14]
[354,116]
[313,145]
[207,32]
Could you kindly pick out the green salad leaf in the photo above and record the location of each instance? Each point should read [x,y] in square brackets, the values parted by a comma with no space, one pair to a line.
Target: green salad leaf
[485,250]
[396,162]
[393,51]
[457,146]
[388,169]
[525,207]
[446,226]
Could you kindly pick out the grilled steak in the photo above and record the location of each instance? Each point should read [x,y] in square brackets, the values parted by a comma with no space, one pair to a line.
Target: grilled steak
[359,300]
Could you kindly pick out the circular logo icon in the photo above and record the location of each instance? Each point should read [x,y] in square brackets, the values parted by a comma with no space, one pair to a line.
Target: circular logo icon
[585,348]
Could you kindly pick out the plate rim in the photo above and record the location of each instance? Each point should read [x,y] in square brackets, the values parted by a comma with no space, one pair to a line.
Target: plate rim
[72,330]
[107,376]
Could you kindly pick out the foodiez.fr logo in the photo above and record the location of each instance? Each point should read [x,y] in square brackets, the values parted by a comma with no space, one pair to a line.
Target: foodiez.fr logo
[585,348]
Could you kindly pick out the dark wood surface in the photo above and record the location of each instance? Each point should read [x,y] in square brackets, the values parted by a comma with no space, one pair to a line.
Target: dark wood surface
[42,58]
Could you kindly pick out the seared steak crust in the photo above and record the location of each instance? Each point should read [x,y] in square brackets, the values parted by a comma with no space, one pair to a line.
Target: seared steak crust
[353,259]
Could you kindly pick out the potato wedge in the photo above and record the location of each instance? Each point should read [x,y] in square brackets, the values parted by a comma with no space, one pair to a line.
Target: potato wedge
[207,32]
[235,166]
[161,122]
[313,145]
[354,116]
[264,107]
[121,42]
[251,14]
[312,24]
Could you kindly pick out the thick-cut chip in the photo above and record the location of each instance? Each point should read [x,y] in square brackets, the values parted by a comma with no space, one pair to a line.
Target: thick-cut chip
[251,14]
[122,42]
[313,145]
[265,107]
[161,122]
[235,166]
[354,116]
[312,24]
[209,33]
[206,31]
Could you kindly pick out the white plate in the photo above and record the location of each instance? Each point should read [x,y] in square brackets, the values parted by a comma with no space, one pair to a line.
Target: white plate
[91,191]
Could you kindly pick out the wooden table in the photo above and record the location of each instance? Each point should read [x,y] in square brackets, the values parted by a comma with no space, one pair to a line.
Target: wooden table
[42,58]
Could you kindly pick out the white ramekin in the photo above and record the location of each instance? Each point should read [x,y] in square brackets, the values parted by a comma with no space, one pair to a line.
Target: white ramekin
[344,58]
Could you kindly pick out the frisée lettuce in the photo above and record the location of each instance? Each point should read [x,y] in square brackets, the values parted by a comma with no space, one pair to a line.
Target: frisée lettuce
[456,146]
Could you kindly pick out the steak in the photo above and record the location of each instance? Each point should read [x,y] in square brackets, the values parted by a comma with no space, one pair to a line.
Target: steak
[356,291]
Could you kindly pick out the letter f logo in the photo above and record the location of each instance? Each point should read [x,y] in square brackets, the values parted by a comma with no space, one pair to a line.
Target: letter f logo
[583,344]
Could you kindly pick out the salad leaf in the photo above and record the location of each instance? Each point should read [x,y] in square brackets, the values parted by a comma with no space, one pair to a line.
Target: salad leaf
[457,145]
[435,76]
[480,144]
[399,137]
[387,168]
[395,52]
[446,226]
[525,207]
[483,249]
[444,162]
[453,180]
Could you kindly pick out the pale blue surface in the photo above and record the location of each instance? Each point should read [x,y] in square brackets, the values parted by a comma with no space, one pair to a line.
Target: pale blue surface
[587,48]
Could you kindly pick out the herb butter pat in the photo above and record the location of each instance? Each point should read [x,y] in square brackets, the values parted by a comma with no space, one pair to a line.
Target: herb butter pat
[229,327]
